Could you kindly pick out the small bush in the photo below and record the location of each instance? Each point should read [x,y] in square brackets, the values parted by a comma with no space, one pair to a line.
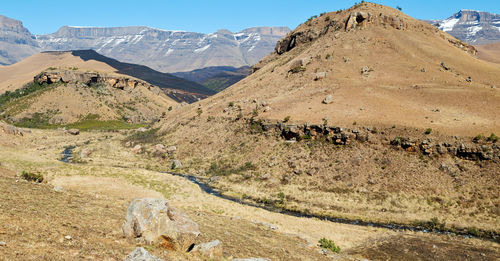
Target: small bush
[329,244]
[428,131]
[286,119]
[231,104]
[199,112]
[493,138]
[169,108]
[478,138]
[255,112]
[32,177]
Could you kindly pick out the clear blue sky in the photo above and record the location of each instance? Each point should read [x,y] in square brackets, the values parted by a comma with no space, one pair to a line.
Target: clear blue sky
[206,16]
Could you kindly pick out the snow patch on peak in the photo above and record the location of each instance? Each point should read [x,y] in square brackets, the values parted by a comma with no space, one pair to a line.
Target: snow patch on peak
[448,24]
[204,48]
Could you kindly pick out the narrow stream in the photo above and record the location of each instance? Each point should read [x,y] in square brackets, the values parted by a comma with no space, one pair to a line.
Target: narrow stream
[492,236]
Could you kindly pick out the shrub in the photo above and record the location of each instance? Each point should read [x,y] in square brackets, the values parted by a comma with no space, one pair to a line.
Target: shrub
[428,131]
[199,112]
[286,119]
[329,244]
[478,138]
[169,108]
[399,8]
[231,104]
[255,112]
[493,138]
[32,177]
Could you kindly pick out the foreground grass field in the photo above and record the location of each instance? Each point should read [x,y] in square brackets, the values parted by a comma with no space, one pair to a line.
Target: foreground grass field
[35,219]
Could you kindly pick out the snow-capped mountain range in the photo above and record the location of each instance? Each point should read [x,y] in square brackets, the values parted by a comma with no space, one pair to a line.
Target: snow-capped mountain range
[162,50]
[472,26]
[168,51]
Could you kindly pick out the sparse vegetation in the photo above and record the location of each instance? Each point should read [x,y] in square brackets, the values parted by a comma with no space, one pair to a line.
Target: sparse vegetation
[493,138]
[25,91]
[286,119]
[329,244]
[231,104]
[428,131]
[148,136]
[169,108]
[222,168]
[34,177]
[199,111]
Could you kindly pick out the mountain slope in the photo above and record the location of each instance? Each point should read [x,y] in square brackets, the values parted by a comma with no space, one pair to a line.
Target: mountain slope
[362,114]
[216,78]
[21,73]
[471,26]
[168,51]
[489,52]
[381,68]
[16,42]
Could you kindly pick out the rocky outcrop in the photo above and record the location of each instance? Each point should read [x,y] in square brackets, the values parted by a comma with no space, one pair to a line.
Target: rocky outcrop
[88,79]
[155,222]
[141,254]
[345,136]
[11,130]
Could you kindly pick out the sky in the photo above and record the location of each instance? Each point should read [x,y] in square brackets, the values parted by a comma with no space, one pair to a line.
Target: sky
[206,16]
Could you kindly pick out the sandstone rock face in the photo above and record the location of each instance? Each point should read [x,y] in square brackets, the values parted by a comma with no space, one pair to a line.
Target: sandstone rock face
[141,254]
[209,249]
[88,78]
[357,19]
[155,222]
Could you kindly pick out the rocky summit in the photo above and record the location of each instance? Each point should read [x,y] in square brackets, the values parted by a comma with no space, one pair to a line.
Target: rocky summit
[16,42]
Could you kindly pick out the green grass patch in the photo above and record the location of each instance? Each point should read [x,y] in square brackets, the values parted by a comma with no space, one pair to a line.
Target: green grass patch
[94,124]
[21,92]
[149,136]
[329,244]
[225,169]
[32,177]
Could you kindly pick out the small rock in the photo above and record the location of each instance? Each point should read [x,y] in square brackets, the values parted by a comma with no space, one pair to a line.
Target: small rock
[142,129]
[265,176]
[137,149]
[267,108]
[74,131]
[468,79]
[444,66]
[2,244]
[365,70]
[171,149]
[209,249]
[68,237]
[58,189]
[328,99]
[423,70]
[319,76]
[176,164]
[85,153]
[141,254]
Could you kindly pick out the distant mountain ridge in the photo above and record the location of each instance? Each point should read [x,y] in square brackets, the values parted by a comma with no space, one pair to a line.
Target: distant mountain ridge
[216,78]
[161,50]
[16,42]
[474,27]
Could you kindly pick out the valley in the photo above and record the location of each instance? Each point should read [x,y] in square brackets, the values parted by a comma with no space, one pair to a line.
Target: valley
[362,134]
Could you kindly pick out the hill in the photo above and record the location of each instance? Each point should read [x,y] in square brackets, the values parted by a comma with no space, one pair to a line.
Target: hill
[364,114]
[216,78]
[23,72]
[382,68]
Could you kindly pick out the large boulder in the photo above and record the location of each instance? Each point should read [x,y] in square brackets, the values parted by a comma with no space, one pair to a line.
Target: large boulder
[141,254]
[155,222]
